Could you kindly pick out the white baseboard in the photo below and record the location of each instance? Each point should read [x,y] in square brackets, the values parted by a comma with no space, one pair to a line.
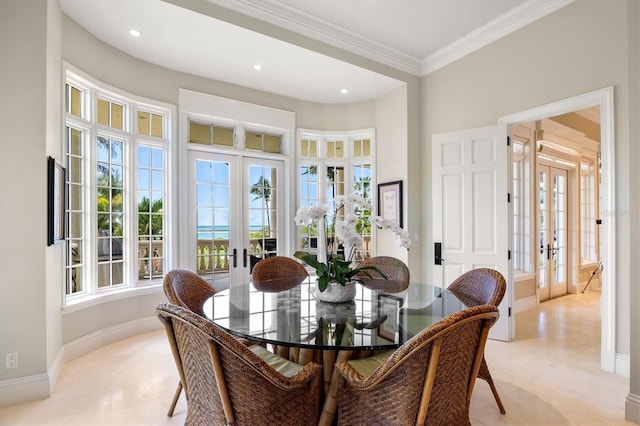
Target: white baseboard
[39,386]
[97,339]
[24,389]
[525,304]
[623,365]
[632,408]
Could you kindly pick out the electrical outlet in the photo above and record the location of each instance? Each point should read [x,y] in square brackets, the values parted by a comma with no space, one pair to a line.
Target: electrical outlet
[11,360]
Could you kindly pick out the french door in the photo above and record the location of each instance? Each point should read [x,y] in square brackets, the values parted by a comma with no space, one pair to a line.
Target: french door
[552,231]
[236,215]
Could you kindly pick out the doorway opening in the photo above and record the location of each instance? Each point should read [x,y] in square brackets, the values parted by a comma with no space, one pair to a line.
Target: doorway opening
[556,163]
[598,172]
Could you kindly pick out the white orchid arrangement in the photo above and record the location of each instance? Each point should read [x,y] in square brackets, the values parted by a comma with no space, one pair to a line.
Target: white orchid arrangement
[348,231]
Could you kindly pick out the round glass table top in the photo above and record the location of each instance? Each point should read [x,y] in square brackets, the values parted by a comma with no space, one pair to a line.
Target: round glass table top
[294,318]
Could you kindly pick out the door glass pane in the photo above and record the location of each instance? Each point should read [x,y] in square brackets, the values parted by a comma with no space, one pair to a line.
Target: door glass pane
[263,211]
[212,217]
[542,228]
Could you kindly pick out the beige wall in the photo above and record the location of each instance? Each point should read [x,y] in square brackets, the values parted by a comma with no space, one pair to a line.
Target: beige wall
[25,124]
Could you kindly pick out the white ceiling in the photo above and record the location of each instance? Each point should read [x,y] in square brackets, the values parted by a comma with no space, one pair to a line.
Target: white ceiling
[223,39]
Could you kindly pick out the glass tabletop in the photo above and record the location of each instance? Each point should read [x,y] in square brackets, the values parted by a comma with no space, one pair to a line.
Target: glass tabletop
[294,318]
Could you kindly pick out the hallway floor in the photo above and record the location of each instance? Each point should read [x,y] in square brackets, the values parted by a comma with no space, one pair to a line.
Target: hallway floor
[549,375]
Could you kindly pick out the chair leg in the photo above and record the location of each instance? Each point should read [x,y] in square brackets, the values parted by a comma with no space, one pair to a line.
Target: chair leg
[176,395]
[495,394]
[485,375]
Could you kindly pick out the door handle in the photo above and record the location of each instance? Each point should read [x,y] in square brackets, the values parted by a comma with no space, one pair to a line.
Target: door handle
[244,257]
[438,253]
[235,257]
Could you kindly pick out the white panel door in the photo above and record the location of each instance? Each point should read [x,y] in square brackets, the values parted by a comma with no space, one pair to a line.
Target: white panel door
[471,213]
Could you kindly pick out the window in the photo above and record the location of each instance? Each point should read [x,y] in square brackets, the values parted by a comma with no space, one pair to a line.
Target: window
[116,150]
[521,206]
[332,166]
[589,252]
[210,134]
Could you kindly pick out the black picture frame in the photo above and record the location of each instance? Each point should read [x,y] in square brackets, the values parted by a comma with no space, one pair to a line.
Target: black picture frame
[56,201]
[390,201]
[390,307]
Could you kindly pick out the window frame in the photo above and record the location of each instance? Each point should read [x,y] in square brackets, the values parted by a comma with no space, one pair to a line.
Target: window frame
[323,162]
[92,90]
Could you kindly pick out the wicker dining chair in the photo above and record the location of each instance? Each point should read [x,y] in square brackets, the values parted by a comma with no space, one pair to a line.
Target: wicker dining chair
[278,273]
[227,382]
[189,290]
[395,270]
[426,381]
[481,286]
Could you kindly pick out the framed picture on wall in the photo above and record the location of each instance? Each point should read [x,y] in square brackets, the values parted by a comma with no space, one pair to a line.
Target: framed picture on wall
[56,201]
[390,201]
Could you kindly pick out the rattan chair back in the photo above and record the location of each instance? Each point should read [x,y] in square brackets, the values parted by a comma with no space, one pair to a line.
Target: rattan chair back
[278,273]
[478,287]
[395,270]
[187,289]
[481,286]
[428,380]
[227,383]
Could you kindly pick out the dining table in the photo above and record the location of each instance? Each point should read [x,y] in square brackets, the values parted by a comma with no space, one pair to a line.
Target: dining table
[299,327]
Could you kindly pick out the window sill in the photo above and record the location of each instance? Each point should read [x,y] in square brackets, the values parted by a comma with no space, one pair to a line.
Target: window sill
[84,302]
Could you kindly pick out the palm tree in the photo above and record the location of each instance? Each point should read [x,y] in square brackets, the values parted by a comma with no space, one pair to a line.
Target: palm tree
[262,189]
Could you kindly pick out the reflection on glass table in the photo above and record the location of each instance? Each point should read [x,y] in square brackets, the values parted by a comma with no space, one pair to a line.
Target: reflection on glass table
[293,318]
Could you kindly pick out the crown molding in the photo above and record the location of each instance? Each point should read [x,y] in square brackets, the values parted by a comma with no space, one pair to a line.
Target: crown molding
[503,25]
[283,15]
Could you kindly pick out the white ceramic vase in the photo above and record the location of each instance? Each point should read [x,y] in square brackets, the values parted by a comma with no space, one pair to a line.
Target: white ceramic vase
[337,293]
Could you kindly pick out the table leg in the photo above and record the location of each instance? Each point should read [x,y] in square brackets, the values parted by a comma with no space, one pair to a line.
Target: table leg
[305,356]
[328,361]
[331,401]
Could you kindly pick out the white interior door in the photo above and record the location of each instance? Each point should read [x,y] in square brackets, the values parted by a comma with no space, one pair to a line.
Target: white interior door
[471,213]
[552,232]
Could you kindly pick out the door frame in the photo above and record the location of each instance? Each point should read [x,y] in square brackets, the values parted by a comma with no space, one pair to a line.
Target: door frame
[604,99]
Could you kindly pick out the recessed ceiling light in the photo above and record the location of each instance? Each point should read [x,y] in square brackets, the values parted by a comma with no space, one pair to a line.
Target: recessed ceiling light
[344,91]
[257,67]
[134,32]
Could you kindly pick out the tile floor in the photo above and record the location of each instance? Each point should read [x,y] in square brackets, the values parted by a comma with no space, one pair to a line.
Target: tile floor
[549,375]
